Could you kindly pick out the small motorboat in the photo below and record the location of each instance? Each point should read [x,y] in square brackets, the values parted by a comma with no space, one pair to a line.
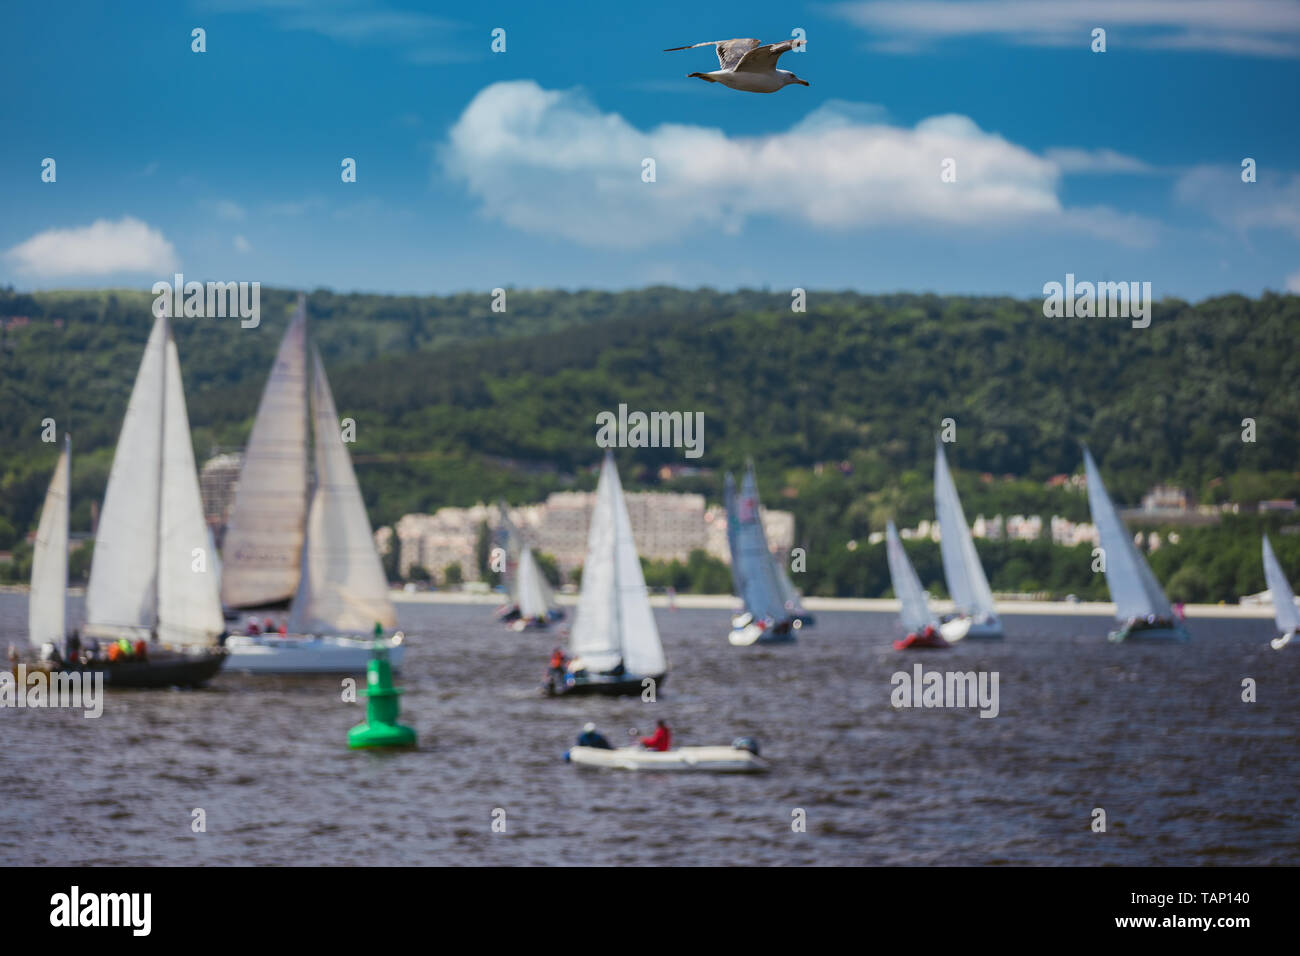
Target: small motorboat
[741,757]
[273,654]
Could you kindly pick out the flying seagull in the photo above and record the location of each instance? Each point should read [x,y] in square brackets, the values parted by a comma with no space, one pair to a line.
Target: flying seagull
[748,65]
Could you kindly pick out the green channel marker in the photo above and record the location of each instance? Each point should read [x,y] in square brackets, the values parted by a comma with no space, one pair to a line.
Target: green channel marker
[381,728]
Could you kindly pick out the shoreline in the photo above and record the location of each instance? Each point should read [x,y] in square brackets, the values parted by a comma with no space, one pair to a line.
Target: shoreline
[725,602]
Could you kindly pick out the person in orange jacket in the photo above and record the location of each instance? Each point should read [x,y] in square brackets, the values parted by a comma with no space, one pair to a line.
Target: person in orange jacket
[661,739]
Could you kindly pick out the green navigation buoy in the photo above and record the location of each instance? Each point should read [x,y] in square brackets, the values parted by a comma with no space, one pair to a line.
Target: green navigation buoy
[381,728]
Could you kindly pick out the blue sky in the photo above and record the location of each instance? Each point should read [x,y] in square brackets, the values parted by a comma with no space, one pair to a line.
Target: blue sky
[478,169]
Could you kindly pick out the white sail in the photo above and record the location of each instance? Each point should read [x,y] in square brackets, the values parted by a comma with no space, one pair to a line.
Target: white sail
[1133,587]
[914,610]
[614,621]
[343,588]
[643,654]
[1285,612]
[508,539]
[120,597]
[961,562]
[532,587]
[263,543]
[189,602]
[758,575]
[47,603]
[733,523]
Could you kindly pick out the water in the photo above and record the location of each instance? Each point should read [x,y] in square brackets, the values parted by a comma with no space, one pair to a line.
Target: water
[1157,736]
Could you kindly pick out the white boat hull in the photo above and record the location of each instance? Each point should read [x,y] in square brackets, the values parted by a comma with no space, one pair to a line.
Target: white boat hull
[967,628]
[269,654]
[699,759]
[1281,641]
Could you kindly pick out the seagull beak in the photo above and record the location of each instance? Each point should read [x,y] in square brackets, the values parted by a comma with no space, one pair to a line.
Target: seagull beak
[803,82]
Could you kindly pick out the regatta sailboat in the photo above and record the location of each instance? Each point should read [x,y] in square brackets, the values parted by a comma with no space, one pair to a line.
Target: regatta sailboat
[326,549]
[531,602]
[47,602]
[151,576]
[534,598]
[914,610]
[974,614]
[766,619]
[1285,612]
[614,638]
[1140,603]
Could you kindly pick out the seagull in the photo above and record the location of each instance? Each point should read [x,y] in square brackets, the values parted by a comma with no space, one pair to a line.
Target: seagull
[748,65]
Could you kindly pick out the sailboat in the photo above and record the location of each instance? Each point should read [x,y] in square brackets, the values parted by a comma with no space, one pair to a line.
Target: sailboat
[1285,612]
[48,600]
[614,638]
[1140,603]
[766,619]
[914,610]
[151,576]
[340,592]
[534,598]
[974,615]
[531,601]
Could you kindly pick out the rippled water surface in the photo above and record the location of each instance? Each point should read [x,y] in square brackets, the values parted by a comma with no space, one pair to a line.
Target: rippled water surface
[1158,736]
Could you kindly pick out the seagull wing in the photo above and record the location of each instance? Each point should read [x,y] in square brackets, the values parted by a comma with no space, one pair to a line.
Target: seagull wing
[730,52]
[761,59]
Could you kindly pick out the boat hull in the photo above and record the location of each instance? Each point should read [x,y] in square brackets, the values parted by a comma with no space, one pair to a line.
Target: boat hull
[752,633]
[1149,635]
[604,685]
[966,628]
[162,669]
[914,642]
[683,759]
[263,654]
[1282,640]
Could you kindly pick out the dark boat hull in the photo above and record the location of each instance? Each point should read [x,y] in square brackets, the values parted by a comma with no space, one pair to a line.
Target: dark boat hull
[624,686]
[171,670]
[919,642]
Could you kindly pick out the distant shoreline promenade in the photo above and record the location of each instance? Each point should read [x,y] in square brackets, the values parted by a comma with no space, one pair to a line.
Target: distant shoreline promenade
[887,605]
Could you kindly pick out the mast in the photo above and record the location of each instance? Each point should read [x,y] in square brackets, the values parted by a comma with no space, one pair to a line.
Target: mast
[158,512]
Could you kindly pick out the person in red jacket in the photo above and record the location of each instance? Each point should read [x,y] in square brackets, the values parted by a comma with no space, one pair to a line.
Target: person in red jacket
[662,739]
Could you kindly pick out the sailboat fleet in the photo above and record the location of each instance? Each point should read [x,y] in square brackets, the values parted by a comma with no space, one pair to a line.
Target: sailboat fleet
[298,536]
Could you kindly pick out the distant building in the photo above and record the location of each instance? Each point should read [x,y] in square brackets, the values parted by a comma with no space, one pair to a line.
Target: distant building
[666,526]
[1165,499]
[1277,504]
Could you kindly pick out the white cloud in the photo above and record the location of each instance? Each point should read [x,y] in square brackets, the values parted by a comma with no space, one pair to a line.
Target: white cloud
[1249,27]
[1293,282]
[1096,161]
[550,162]
[1273,202]
[242,244]
[100,249]
[224,209]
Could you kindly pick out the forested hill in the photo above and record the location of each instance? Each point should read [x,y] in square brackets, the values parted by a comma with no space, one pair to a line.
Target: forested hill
[455,403]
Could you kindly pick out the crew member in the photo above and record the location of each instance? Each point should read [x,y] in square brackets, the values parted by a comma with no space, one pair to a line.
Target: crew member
[661,739]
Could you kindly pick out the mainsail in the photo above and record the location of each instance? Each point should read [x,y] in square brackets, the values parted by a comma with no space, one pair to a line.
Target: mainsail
[1285,612]
[47,603]
[914,610]
[733,525]
[262,549]
[507,538]
[151,569]
[1133,587]
[533,591]
[961,562]
[342,588]
[614,621]
[759,581]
